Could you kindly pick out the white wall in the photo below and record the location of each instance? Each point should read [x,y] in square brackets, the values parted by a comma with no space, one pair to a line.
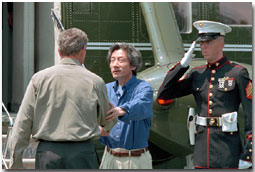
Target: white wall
[44,36]
[33,47]
[23,49]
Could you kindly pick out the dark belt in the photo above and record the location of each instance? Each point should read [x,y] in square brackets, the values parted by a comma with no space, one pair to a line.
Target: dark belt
[65,142]
[123,154]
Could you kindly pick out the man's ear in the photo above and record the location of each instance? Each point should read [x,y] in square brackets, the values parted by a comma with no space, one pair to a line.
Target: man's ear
[85,48]
[133,67]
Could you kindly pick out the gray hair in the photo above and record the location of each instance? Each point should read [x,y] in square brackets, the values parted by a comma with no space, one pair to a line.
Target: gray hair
[71,41]
[133,54]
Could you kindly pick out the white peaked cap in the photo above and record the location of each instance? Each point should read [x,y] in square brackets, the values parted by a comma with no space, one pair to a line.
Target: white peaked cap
[205,26]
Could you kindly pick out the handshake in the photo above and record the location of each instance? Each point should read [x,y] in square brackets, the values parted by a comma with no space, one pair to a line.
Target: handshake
[185,61]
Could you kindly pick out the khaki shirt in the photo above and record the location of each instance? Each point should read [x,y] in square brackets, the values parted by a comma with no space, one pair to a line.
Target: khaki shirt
[65,102]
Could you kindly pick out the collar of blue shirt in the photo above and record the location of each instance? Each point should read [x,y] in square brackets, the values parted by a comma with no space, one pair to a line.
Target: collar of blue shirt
[126,86]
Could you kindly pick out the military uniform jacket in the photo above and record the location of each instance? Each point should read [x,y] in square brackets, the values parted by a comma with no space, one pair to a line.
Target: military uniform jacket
[217,88]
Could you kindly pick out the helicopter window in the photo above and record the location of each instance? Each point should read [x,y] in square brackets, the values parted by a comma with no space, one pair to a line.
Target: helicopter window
[183,15]
[236,13]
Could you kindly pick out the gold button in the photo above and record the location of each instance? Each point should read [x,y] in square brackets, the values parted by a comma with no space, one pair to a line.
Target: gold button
[248,157]
[212,78]
[197,89]
[210,102]
[226,89]
[210,111]
[217,64]
[212,121]
[250,150]
[231,133]
[210,94]
[211,86]
[213,71]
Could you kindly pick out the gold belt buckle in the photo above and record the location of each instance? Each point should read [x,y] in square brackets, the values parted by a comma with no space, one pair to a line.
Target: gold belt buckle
[214,121]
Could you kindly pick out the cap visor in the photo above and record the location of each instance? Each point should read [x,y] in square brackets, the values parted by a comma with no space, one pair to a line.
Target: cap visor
[202,38]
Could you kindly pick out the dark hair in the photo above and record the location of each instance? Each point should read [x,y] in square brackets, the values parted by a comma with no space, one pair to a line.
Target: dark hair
[133,55]
[71,41]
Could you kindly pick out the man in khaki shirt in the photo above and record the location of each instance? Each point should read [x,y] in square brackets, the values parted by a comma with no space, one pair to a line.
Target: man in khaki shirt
[62,108]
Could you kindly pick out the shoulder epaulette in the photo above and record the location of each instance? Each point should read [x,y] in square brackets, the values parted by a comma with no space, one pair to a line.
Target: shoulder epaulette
[199,67]
[235,64]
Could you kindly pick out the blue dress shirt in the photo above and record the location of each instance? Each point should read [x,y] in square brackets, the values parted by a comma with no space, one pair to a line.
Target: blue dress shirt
[132,129]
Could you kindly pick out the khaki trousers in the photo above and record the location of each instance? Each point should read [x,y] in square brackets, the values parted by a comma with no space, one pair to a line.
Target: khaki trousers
[130,162]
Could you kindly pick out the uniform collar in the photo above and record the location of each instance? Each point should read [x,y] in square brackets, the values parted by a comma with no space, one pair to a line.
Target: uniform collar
[126,86]
[218,63]
[69,61]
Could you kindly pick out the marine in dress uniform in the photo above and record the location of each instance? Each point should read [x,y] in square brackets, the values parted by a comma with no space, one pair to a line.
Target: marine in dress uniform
[218,88]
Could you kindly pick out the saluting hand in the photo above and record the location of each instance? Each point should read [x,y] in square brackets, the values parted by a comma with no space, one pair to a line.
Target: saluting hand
[114,113]
[189,55]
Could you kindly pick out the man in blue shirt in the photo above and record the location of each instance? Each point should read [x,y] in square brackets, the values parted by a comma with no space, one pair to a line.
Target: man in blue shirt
[132,99]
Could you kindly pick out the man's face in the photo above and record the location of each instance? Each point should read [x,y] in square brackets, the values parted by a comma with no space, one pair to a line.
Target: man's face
[120,66]
[212,50]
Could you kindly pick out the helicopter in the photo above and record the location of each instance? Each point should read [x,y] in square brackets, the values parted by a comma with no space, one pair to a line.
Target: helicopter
[169,31]
[162,31]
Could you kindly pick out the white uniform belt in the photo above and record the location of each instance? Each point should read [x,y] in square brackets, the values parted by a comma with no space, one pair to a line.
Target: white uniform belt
[209,121]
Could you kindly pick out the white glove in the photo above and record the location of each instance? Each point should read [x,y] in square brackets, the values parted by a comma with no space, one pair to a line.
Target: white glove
[244,164]
[188,56]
